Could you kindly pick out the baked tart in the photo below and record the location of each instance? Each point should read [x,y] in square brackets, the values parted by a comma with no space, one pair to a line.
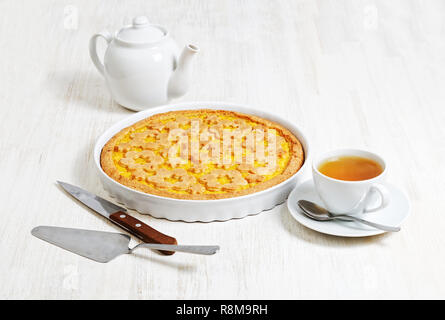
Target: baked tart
[202,154]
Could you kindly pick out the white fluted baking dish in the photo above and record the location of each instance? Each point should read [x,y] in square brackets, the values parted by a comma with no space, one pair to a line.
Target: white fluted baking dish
[199,210]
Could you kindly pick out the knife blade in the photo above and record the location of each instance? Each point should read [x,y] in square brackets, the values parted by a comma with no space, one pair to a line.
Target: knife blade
[92,201]
[119,216]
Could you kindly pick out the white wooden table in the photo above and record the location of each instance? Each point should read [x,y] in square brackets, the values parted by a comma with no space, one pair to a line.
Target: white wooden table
[353,73]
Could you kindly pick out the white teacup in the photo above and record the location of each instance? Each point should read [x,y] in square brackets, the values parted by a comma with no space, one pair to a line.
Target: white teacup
[350,197]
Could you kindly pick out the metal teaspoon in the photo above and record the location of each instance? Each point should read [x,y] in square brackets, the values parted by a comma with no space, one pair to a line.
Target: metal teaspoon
[314,211]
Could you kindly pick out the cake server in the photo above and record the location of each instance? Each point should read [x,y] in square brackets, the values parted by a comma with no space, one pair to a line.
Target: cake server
[104,246]
[119,216]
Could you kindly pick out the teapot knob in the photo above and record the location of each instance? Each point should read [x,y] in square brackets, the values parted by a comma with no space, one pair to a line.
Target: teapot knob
[140,21]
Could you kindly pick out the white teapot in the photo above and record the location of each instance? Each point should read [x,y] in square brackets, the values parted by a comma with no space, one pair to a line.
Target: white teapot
[142,67]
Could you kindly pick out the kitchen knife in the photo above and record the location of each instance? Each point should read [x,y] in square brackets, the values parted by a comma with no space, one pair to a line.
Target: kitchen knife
[119,216]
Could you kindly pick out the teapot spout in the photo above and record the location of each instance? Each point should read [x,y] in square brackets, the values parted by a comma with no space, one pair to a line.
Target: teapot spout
[180,79]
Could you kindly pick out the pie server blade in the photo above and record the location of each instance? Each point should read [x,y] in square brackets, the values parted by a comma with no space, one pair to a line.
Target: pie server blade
[96,245]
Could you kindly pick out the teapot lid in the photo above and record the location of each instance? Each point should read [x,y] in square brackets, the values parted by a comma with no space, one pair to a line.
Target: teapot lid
[141,31]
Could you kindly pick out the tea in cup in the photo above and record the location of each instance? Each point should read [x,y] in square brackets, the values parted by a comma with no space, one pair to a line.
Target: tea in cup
[348,180]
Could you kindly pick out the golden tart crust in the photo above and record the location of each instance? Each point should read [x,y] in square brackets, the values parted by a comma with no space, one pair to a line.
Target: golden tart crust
[138,156]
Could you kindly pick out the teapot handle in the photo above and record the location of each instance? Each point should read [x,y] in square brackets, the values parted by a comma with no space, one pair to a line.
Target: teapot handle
[93,52]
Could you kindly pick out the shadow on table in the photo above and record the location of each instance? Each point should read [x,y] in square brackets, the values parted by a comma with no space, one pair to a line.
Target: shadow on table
[181,266]
[303,233]
[83,89]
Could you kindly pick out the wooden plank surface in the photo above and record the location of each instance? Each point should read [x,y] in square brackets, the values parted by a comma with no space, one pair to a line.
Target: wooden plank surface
[368,74]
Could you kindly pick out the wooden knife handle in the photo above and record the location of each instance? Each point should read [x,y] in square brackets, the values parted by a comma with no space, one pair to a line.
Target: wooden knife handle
[142,230]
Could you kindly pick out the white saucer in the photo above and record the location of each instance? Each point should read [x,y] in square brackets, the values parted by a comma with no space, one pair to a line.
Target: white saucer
[394,214]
